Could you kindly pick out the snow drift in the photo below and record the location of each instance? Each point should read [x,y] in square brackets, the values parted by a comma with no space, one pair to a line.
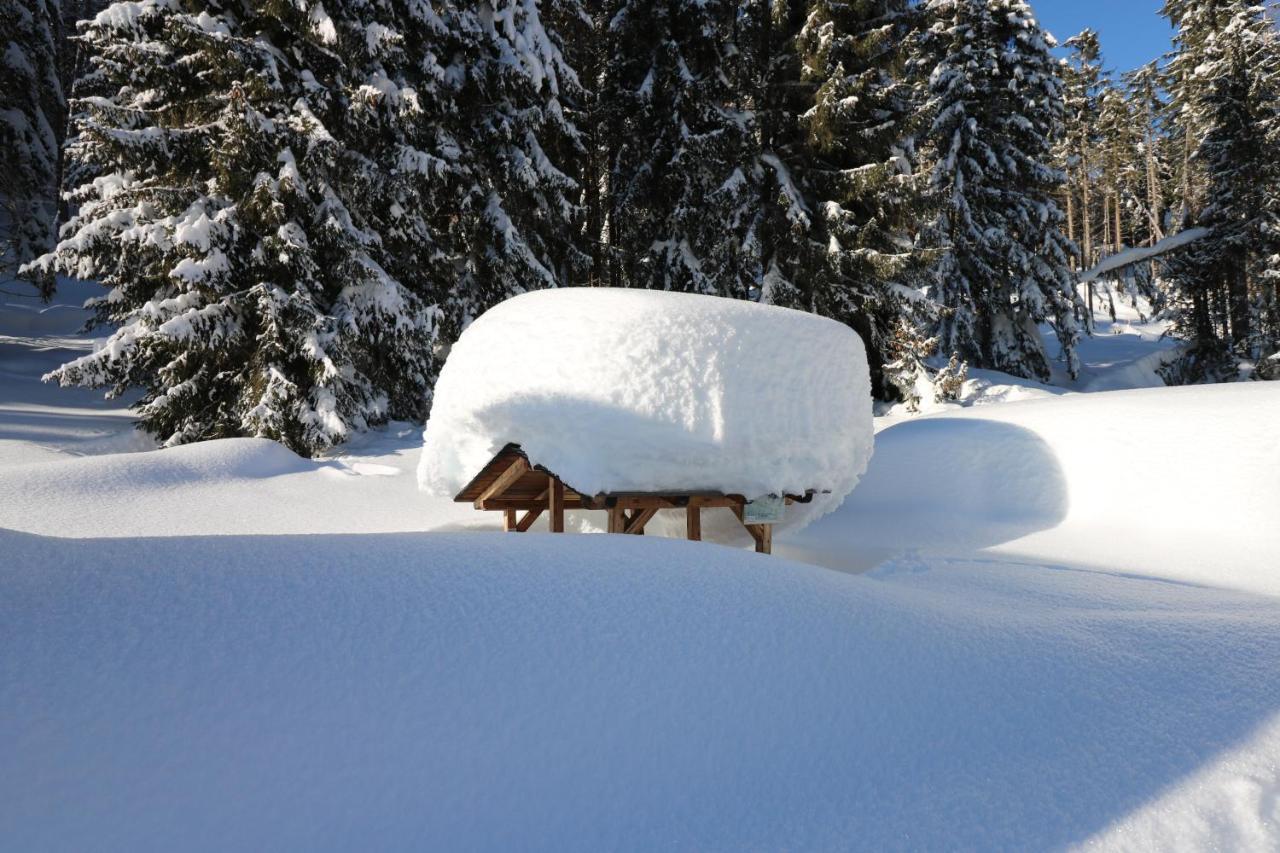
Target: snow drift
[1173,483]
[636,391]
[463,692]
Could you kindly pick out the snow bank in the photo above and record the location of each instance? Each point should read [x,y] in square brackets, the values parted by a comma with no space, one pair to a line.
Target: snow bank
[454,691]
[1172,483]
[636,390]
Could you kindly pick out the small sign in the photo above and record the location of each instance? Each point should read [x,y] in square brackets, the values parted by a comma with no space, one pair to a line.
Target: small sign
[766,509]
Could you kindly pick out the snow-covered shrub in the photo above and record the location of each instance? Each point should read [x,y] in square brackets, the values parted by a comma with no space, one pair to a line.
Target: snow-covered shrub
[949,381]
[907,372]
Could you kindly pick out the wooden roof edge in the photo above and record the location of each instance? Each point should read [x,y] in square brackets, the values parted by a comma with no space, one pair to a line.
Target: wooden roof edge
[511,451]
[477,483]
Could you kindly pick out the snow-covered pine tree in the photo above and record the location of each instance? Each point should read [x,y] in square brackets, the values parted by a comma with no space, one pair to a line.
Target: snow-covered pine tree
[769,74]
[582,28]
[858,174]
[1144,92]
[32,122]
[1081,94]
[1235,109]
[1225,81]
[682,185]
[996,108]
[259,174]
[516,207]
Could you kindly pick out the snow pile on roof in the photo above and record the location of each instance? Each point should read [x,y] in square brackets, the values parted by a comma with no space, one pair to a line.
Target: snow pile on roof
[636,391]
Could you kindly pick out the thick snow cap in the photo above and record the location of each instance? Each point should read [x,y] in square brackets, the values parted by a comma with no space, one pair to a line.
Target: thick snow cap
[637,391]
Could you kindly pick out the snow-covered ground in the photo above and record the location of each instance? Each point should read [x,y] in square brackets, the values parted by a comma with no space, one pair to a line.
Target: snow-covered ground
[1033,625]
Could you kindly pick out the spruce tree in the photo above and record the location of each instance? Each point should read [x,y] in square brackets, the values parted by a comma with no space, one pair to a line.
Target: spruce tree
[1224,85]
[32,121]
[257,176]
[1082,88]
[770,76]
[996,110]
[1144,93]
[516,207]
[859,175]
[683,189]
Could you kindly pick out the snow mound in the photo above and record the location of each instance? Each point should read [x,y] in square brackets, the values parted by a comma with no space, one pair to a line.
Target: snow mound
[636,391]
[1171,483]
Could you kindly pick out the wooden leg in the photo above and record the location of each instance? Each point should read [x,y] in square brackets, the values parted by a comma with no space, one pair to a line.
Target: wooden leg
[617,520]
[529,518]
[693,523]
[555,504]
[509,520]
[763,534]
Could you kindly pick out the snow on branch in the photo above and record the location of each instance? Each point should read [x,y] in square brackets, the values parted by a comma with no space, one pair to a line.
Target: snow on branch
[1142,253]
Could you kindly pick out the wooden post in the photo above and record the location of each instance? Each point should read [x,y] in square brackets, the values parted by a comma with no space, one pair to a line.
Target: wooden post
[509,520]
[617,520]
[693,522]
[555,504]
[763,534]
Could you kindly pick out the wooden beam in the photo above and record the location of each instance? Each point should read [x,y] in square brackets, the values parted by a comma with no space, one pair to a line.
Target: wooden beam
[693,523]
[509,520]
[639,519]
[531,501]
[555,505]
[503,481]
[529,518]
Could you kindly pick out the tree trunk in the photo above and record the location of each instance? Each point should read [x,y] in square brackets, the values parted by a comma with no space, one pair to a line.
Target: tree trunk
[1071,225]
[1238,294]
[1153,187]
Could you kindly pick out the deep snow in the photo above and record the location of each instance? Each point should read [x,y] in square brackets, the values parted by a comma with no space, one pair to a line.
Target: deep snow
[1056,623]
[453,691]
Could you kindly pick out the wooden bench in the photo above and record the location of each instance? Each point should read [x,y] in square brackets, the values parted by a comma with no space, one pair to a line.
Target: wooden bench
[522,491]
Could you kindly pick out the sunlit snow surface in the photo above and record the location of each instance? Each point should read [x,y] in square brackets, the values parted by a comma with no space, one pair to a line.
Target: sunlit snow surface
[1055,623]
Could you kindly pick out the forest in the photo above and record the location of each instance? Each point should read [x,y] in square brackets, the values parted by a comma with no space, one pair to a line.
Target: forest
[294,209]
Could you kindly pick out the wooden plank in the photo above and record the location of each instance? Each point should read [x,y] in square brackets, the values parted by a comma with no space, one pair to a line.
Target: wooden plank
[532,501]
[693,523]
[509,520]
[672,501]
[638,520]
[514,472]
[555,505]
[529,518]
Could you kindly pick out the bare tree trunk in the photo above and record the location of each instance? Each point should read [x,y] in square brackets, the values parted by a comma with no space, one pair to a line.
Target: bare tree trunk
[1106,223]
[1087,242]
[1238,295]
[1153,187]
[1071,224]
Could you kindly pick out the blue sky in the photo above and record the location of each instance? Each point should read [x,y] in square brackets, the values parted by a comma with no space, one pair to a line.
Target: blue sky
[1132,32]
